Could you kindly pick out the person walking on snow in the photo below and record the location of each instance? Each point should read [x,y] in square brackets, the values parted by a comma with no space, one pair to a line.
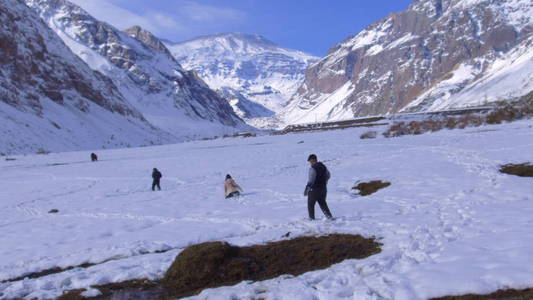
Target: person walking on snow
[231,188]
[316,188]
[156,176]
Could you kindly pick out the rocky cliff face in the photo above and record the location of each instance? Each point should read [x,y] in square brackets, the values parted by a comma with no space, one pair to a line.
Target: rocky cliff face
[49,98]
[435,55]
[250,69]
[146,73]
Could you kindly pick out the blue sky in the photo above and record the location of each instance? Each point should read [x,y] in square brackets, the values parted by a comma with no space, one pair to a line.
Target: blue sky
[312,26]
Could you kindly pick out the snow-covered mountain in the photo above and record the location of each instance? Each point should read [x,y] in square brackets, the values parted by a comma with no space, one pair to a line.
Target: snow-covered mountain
[437,54]
[50,100]
[145,72]
[248,69]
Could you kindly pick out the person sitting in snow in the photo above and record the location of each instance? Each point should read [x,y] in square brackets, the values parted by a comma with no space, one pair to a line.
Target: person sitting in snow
[156,176]
[231,188]
[94,157]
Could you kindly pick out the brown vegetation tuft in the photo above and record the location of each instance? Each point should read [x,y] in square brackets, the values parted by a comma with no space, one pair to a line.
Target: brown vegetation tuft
[367,188]
[526,294]
[217,263]
[503,112]
[369,135]
[523,170]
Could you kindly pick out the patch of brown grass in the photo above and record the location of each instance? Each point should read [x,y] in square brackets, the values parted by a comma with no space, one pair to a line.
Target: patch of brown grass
[367,188]
[432,125]
[522,170]
[369,135]
[216,264]
[502,112]
[526,294]
[137,289]
[72,295]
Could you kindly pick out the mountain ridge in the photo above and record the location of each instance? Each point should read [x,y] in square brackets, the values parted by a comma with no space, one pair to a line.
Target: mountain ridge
[434,55]
[52,101]
[149,77]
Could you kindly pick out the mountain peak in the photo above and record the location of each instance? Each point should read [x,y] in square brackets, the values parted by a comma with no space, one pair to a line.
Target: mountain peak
[237,36]
[233,42]
[250,66]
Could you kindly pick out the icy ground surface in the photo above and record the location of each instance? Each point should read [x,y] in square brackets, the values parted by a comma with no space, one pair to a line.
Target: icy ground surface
[450,223]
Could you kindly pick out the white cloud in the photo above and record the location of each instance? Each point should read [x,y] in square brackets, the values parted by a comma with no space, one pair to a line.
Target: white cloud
[182,19]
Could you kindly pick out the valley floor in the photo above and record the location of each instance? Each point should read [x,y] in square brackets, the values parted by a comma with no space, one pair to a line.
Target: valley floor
[450,223]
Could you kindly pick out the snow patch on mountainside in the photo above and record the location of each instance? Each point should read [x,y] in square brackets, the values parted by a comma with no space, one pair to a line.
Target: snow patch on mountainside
[507,77]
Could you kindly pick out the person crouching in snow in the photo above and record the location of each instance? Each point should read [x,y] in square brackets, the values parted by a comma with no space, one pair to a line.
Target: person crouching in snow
[231,188]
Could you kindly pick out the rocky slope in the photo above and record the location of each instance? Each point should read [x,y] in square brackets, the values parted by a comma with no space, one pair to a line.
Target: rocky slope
[248,69]
[51,100]
[437,54]
[145,72]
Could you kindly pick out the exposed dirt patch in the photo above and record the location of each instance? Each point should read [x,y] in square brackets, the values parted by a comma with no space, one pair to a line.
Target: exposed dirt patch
[56,270]
[526,294]
[47,272]
[523,170]
[217,263]
[72,295]
[504,111]
[369,135]
[138,289]
[367,188]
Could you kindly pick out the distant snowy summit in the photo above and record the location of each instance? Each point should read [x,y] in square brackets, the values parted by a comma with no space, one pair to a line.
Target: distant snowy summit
[257,76]
[435,55]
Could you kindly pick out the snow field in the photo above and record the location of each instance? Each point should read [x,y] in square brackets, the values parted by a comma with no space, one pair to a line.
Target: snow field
[450,223]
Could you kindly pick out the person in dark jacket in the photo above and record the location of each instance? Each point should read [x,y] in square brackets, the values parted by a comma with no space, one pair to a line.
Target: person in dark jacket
[316,188]
[156,176]
[94,157]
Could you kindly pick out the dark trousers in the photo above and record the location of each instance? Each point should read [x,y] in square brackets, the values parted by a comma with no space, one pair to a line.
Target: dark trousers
[317,196]
[233,194]
[156,183]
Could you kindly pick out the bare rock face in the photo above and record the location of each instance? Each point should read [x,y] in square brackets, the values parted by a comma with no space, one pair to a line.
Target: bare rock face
[437,54]
[142,67]
[148,39]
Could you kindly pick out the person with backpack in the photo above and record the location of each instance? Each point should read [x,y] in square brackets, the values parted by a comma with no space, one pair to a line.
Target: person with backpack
[156,176]
[316,188]
[231,188]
